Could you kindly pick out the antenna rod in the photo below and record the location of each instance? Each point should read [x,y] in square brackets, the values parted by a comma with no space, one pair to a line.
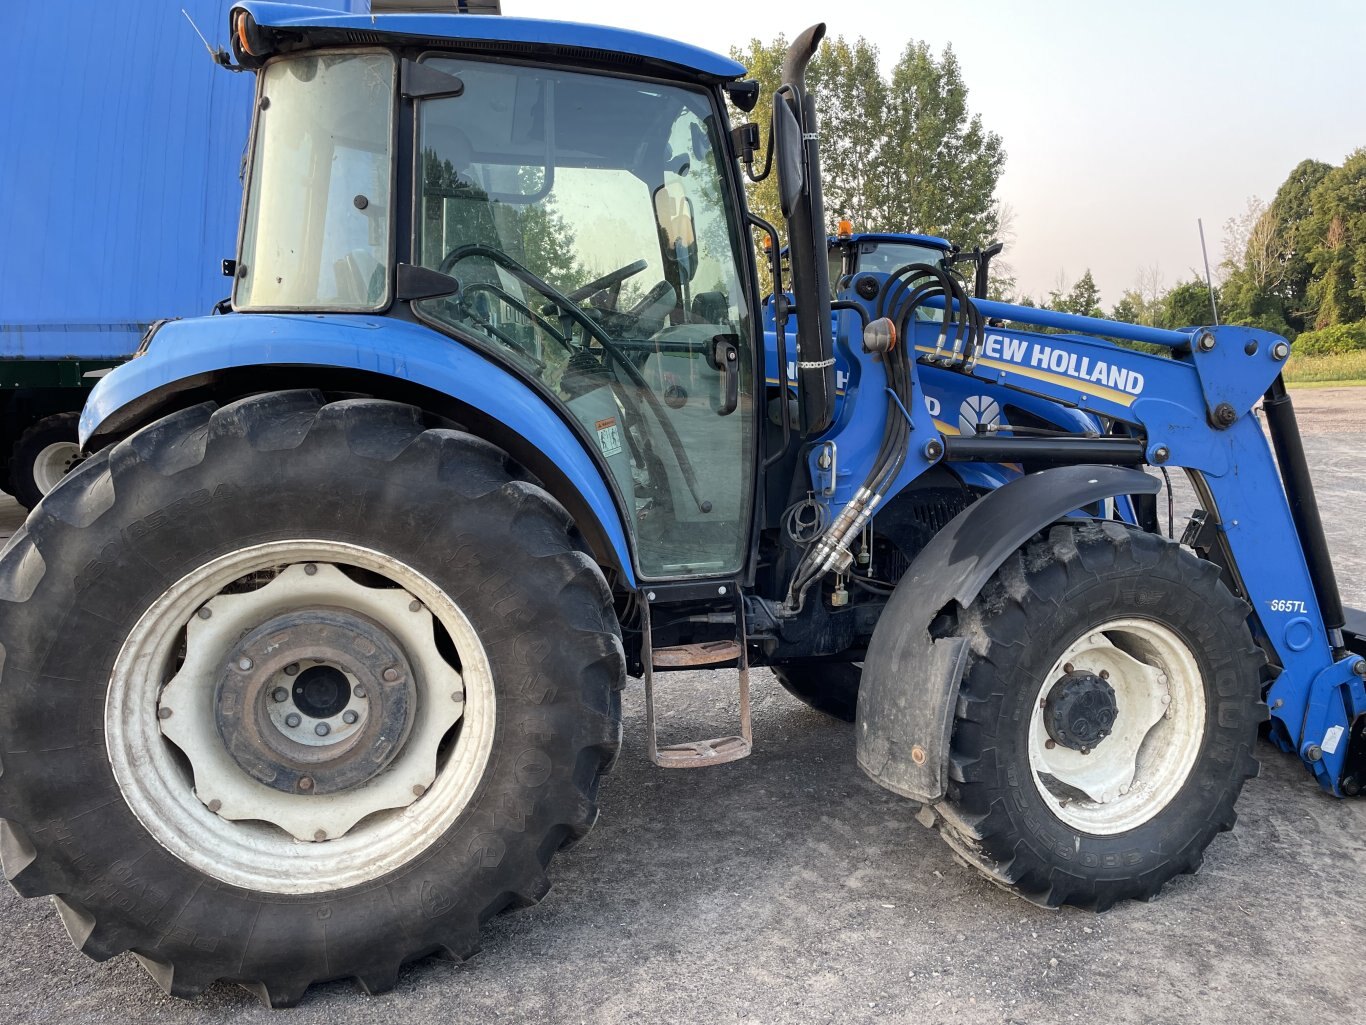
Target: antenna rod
[1209,281]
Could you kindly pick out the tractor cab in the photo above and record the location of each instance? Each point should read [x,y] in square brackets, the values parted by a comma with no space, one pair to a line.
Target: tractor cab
[580,228]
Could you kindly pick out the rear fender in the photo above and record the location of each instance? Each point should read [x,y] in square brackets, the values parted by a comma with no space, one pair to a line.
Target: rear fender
[190,354]
[910,679]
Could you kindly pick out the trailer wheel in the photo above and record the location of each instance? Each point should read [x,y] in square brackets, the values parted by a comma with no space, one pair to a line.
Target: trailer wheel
[1106,718]
[42,456]
[346,683]
[829,687]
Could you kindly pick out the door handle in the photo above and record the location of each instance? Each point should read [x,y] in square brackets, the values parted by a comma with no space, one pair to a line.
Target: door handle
[724,358]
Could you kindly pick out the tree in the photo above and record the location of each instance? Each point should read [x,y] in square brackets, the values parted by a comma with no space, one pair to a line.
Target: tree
[898,154]
[1335,231]
[1083,299]
[1188,305]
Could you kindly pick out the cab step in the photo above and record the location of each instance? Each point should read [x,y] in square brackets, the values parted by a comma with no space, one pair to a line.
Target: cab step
[699,753]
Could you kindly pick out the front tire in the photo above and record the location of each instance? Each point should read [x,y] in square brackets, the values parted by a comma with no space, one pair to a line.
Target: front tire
[1106,719]
[168,823]
[829,687]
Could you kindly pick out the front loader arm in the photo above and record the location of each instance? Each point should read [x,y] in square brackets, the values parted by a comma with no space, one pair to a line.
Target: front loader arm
[1194,410]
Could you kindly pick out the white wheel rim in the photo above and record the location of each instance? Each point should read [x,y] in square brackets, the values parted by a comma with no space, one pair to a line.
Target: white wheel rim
[1135,772]
[153,776]
[53,463]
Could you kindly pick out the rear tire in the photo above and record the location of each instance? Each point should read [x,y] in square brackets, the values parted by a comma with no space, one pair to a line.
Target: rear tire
[829,687]
[42,456]
[139,858]
[1063,824]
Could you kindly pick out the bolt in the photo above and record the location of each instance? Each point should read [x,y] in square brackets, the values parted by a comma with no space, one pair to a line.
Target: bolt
[163,712]
[358,690]
[1166,699]
[1206,342]
[349,717]
[721,590]
[1280,351]
[305,782]
[322,729]
[1278,703]
[1224,415]
[292,720]
[279,694]
[390,675]
[934,449]
[215,804]
[292,669]
[1359,667]
[1105,674]
[1161,454]
[244,664]
[1067,667]
[414,605]
[1050,743]
[320,835]
[649,596]
[418,790]
[1314,753]
[205,612]
[310,569]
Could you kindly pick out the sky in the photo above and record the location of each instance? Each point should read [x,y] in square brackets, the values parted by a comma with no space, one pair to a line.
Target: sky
[1123,122]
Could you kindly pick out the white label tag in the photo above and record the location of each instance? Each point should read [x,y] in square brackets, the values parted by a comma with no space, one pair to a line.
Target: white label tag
[1330,740]
[609,436]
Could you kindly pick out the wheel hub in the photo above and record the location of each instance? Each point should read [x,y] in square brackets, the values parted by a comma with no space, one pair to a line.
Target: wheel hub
[1080,710]
[315,701]
[311,702]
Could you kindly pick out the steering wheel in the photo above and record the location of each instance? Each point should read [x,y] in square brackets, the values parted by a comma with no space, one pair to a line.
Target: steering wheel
[592,328]
[607,281]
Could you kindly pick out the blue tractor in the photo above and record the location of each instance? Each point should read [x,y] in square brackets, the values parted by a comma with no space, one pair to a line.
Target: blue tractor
[361,565]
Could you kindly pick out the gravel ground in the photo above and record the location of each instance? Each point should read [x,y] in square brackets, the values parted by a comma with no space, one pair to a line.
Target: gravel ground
[788,888]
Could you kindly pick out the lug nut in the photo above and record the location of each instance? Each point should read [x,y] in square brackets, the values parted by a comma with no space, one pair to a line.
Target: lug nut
[292,669]
[322,729]
[279,694]
[305,782]
[1050,743]
[320,835]
[292,720]
[414,605]
[1067,667]
[1105,674]
[419,790]
[358,690]
[205,612]
[244,664]
[310,569]
[349,717]
[215,804]
[390,675]
[163,712]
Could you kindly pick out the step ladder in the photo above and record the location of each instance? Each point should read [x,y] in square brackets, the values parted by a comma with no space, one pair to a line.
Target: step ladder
[707,654]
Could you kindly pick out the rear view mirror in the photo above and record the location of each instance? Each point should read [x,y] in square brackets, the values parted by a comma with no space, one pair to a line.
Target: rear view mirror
[677,232]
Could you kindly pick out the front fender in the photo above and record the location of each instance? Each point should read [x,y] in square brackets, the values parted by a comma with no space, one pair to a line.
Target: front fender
[184,350]
[910,679]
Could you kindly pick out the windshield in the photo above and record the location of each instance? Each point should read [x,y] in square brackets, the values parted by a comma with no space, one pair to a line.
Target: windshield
[881,257]
[316,231]
[595,240]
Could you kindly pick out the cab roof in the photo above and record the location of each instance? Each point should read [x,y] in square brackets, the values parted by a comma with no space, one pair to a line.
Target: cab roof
[888,236]
[495,34]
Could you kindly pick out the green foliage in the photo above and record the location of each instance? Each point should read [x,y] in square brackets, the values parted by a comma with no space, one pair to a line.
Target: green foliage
[898,154]
[1187,305]
[1083,299]
[1336,340]
[1335,230]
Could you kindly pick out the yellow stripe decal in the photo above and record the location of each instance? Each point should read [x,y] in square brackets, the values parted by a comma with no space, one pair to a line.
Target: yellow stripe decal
[1119,398]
